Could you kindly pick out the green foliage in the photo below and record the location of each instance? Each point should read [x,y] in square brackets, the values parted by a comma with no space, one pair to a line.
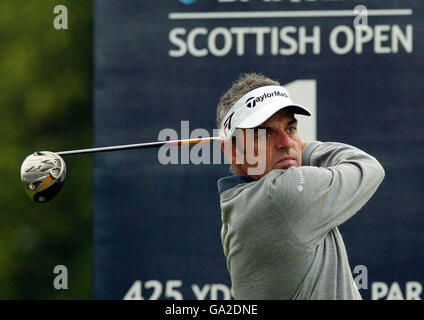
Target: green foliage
[46,104]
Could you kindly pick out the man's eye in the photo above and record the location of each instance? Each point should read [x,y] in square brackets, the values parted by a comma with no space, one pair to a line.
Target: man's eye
[292,129]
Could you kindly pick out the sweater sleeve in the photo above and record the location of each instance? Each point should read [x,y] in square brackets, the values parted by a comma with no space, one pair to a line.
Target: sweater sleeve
[335,182]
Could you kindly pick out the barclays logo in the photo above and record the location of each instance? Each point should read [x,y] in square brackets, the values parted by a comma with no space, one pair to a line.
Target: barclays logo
[187,1]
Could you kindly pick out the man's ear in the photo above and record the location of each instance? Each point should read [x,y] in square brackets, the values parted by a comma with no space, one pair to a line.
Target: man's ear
[303,144]
[230,150]
[227,148]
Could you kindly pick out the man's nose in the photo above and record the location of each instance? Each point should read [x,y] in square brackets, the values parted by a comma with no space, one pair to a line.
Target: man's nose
[283,140]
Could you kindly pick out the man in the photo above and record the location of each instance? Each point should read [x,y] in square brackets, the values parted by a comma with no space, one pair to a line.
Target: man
[279,224]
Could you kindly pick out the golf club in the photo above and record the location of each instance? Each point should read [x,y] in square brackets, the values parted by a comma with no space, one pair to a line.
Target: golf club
[43,173]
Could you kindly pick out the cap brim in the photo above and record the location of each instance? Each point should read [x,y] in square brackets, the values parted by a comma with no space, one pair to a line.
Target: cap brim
[262,115]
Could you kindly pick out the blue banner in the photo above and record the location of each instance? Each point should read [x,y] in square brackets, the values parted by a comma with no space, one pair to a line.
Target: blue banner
[163,65]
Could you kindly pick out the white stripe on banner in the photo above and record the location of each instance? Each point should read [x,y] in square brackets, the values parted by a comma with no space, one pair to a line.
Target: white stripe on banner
[285,14]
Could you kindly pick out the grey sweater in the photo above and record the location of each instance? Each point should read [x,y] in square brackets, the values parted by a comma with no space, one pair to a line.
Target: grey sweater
[280,235]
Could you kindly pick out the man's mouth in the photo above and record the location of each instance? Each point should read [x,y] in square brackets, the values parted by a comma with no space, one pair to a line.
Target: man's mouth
[286,162]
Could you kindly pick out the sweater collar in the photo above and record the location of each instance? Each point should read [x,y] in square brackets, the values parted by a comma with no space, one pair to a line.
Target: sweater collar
[231,181]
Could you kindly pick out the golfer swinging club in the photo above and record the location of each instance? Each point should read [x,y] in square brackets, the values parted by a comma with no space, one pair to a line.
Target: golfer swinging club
[279,224]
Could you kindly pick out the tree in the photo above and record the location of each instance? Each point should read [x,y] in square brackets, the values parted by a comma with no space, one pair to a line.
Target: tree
[46,102]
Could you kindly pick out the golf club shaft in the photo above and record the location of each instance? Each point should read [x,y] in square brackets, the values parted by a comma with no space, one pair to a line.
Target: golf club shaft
[140,146]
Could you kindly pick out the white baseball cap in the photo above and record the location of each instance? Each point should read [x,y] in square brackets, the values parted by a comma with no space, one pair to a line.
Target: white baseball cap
[257,106]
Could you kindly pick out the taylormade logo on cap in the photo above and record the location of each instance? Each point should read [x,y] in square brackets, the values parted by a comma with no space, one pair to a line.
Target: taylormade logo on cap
[256,107]
[251,102]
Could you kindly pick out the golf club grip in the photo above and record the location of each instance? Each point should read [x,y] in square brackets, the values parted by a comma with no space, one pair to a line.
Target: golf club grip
[139,146]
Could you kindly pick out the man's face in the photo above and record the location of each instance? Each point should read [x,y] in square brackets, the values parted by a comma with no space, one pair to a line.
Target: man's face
[279,143]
